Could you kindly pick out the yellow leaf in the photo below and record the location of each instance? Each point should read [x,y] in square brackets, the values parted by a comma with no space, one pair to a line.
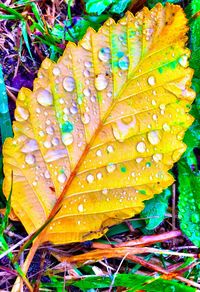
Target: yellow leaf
[102,127]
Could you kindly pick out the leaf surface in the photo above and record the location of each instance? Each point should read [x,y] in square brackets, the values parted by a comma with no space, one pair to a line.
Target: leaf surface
[189,202]
[102,127]
[155,209]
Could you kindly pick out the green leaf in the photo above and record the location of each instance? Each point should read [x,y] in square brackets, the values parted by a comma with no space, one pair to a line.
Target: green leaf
[119,6]
[132,281]
[189,202]
[97,7]
[71,32]
[195,45]
[195,6]
[152,3]
[156,209]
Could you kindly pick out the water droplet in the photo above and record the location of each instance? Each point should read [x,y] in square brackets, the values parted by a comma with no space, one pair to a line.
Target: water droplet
[157,157]
[62,178]
[195,218]
[104,54]
[55,141]
[30,146]
[153,137]
[80,208]
[56,71]
[67,138]
[86,73]
[155,117]
[105,192]
[151,80]
[47,144]
[41,133]
[48,122]
[34,183]
[90,178]
[67,127]
[101,82]
[88,64]
[44,97]
[30,159]
[50,130]
[61,101]
[148,164]
[141,147]
[85,118]
[139,159]
[123,63]
[73,110]
[166,127]
[153,102]
[69,83]
[110,167]
[99,175]
[99,153]
[87,92]
[93,98]
[47,174]
[110,149]
[21,114]
[183,61]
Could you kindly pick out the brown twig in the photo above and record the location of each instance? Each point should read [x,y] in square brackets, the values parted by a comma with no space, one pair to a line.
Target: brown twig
[144,240]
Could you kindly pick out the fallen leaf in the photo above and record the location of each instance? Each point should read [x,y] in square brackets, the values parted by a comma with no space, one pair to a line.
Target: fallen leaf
[102,127]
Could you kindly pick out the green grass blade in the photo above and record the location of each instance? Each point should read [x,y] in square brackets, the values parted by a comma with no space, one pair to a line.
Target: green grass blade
[25,36]
[5,121]
[11,11]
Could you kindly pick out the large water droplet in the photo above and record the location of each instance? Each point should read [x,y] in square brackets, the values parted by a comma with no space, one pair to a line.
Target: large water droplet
[90,178]
[151,80]
[21,114]
[123,63]
[153,137]
[30,159]
[104,54]
[67,138]
[183,61]
[62,178]
[99,175]
[110,167]
[80,208]
[44,97]
[110,149]
[141,147]
[101,82]
[124,128]
[85,118]
[69,83]
[53,155]
[56,71]
[99,153]
[157,157]
[30,146]
[47,144]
